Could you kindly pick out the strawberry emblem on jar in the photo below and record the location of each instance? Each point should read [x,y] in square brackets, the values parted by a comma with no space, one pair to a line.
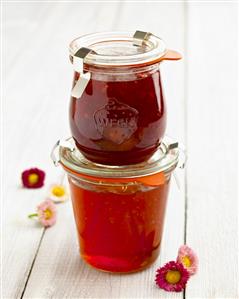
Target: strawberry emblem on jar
[116,121]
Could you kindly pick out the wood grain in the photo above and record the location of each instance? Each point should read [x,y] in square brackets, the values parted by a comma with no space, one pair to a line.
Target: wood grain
[40,95]
[30,129]
[212,149]
[201,113]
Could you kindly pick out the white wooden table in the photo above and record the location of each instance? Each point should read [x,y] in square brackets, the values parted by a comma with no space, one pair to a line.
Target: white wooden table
[201,98]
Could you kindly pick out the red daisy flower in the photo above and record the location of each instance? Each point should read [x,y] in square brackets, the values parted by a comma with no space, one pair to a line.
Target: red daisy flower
[33,178]
[172,277]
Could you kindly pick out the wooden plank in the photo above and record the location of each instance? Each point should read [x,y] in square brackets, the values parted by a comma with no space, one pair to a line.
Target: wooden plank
[33,109]
[58,271]
[36,97]
[212,134]
[23,19]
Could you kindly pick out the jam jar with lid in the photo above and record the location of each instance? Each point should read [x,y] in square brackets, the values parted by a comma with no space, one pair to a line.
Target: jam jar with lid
[117,109]
[119,210]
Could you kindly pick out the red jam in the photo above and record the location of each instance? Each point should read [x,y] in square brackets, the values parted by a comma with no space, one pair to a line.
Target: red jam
[119,122]
[119,227]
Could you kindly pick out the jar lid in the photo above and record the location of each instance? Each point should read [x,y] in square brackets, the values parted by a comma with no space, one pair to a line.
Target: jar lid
[165,159]
[120,48]
[115,50]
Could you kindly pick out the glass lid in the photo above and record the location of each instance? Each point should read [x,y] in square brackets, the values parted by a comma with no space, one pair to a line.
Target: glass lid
[120,48]
[165,158]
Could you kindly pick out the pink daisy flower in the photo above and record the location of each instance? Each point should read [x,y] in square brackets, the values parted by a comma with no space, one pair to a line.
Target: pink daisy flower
[172,277]
[188,258]
[46,213]
[33,178]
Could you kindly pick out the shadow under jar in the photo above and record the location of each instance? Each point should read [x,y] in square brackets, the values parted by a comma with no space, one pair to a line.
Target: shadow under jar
[120,118]
[119,210]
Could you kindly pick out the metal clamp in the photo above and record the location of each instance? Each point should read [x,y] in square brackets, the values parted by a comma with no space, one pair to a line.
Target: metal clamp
[181,160]
[182,152]
[172,146]
[55,156]
[55,153]
[182,157]
[78,65]
[140,37]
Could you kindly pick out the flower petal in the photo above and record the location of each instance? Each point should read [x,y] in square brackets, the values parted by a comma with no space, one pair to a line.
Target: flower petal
[172,277]
[58,193]
[47,213]
[188,258]
[33,178]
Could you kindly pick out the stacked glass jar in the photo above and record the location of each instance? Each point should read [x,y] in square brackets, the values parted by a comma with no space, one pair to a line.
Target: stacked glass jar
[118,161]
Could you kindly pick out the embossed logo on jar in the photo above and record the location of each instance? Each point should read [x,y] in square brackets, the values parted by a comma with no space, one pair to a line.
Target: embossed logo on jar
[116,121]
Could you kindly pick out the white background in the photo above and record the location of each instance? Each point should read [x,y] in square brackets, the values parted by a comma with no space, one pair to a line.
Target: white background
[201,96]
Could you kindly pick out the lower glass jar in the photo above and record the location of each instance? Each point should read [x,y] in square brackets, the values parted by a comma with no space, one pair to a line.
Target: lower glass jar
[119,224]
[119,217]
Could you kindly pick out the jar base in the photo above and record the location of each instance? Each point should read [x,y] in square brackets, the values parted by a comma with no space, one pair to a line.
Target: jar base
[142,267]
[117,158]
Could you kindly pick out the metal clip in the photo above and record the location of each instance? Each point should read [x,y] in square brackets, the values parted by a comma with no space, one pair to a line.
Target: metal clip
[140,36]
[182,157]
[55,154]
[173,145]
[78,65]
[182,153]
[55,151]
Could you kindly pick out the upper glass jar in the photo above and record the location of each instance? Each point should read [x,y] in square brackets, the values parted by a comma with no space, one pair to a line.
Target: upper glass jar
[117,109]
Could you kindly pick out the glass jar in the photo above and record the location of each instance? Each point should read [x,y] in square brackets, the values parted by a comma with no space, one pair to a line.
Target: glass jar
[120,116]
[119,211]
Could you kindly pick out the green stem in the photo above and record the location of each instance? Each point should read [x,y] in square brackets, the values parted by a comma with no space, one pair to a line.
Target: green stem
[32,215]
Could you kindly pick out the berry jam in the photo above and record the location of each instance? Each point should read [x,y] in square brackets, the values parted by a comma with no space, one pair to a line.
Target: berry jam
[119,227]
[118,122]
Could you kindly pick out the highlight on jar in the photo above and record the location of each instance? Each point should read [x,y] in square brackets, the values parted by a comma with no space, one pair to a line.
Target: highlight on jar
[119,211]
[117,107]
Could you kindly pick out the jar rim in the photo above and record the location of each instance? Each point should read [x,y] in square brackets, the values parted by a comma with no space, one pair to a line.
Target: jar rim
[165,159]
[119,49]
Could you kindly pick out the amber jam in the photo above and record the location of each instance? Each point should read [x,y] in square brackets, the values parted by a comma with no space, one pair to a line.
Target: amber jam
[119,119]
[119,210]
[119,225]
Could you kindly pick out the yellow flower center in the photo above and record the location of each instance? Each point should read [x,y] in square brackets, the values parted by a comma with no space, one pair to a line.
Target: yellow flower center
[58,191]
[186,261]
[48,214]
[173,276]
[33,178]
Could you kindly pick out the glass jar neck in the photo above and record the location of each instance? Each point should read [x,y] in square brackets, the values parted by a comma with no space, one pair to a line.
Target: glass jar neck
[121,73]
